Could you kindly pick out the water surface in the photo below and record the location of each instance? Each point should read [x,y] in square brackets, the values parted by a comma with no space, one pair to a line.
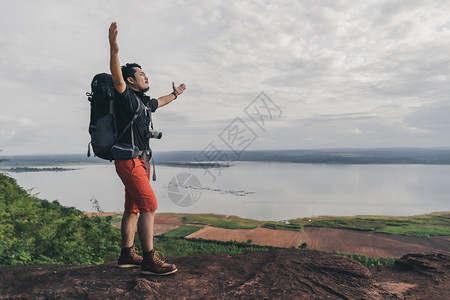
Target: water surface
[264,191]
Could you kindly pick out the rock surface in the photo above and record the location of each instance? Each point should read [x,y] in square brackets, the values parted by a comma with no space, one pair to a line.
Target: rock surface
[278,274]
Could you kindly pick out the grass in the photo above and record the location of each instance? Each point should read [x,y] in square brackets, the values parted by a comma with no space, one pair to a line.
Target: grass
[415,230]
[425,225]
[230,222]
[182,231]
[171,246]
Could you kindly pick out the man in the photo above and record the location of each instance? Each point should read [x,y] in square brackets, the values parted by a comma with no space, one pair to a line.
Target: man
[130,81]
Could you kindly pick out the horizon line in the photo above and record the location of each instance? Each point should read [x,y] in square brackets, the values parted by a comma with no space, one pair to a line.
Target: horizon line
[263,150]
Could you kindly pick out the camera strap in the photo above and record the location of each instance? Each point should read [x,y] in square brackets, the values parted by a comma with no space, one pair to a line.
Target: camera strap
[148,113]
[153,161]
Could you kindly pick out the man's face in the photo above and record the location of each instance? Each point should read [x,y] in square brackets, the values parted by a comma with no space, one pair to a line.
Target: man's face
[140,81]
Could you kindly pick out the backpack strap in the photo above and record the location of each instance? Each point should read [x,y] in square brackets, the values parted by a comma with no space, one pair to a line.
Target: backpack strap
[154,172]
[130,124]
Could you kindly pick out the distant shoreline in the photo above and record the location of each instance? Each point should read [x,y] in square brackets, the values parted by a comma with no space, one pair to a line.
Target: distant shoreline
[29,169]
[427,156]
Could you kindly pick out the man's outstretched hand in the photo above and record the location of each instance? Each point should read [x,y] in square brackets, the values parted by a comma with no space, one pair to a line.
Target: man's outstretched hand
[114,46]
[179,89]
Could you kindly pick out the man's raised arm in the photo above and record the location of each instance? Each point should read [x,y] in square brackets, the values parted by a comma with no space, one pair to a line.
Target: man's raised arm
[114,63]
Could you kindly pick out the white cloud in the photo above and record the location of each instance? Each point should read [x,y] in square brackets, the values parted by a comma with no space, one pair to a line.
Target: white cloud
[345,73]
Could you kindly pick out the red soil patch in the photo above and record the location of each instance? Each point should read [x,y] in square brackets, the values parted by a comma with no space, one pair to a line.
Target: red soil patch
[329,239]
[372,244]
[167,219]
[165,223]
[259,236]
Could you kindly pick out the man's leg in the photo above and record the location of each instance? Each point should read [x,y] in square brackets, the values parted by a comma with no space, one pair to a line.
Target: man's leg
[145,229]
[128,229]
[152,263]
[128,258]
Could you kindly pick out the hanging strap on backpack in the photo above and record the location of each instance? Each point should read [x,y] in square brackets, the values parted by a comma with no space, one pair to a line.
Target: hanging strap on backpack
[148,156]
[153,161]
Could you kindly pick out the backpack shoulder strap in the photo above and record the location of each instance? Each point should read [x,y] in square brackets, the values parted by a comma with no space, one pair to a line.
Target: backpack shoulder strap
[136,115]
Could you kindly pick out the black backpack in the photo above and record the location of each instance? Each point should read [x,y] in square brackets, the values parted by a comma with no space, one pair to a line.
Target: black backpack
[102,125]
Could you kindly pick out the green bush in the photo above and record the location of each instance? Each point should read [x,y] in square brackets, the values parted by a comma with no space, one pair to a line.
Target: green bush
[34,231]
[369,261]
[303,246]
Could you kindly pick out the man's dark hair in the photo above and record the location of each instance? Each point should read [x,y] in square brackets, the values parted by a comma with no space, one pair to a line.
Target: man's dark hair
[128,71]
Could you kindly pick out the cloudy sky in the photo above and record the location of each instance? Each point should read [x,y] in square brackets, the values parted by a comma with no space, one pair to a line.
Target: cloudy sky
[340,73]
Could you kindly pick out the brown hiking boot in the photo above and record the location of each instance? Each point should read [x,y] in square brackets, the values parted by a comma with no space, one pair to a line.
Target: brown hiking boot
[153,264]
[130,259]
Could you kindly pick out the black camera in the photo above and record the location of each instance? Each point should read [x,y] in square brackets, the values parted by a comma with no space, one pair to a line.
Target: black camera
[153,134]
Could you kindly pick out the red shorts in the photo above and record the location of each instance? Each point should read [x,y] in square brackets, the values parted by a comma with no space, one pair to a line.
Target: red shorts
[139,195]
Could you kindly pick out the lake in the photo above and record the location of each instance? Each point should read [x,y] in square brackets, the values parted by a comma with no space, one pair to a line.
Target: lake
[259,190]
